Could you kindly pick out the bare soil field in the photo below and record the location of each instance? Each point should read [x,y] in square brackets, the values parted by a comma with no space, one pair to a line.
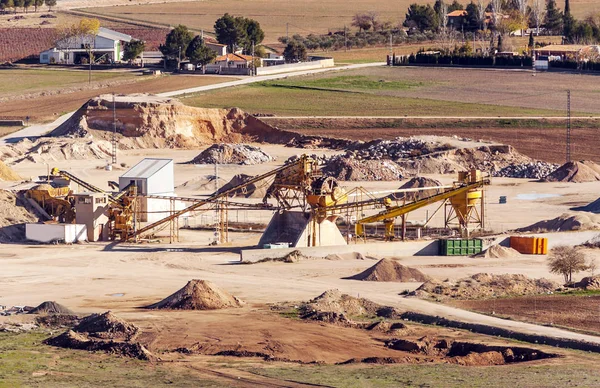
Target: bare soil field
[308,17]
[580,312]
[49,106]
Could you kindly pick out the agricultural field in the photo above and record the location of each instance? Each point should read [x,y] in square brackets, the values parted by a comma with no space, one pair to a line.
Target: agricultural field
[403,91]
[310,16]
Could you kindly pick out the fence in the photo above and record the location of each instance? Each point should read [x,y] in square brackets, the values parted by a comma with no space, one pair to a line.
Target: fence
[460,61]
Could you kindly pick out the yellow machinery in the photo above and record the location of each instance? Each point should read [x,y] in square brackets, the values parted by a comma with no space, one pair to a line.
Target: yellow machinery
[54,201]
[464,200]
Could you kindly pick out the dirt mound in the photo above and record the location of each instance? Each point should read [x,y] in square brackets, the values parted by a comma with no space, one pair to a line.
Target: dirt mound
[589,283]
[232,154]
[578,172]
[292,257]
[498,252]
[198,295]
[203,183]
[565,222]
[592,207]
[334,307]
[483,285]
[73,340]
[106,326]
[415,183]
[13,216]
[346,169]
[386,327]
[6,174]
[490,159]
[51,308]
[389,270]
[254,190]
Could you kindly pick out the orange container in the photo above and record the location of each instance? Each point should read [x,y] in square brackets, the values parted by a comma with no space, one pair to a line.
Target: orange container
[529,245]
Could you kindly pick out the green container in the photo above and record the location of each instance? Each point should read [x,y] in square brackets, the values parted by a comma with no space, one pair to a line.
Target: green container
[460,247]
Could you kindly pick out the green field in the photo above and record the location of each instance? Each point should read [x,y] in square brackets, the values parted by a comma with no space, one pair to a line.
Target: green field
[32,80]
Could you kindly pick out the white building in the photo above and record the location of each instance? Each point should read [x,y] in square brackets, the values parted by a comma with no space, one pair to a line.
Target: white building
[107,47]
[153,177]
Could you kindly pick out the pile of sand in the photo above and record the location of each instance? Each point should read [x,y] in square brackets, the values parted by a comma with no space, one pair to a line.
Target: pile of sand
[565,222]
[232,154]
[13,216]
[345,169]
[498,252]
[51,308]
[483,285]
[578,172]
[107,326]
[415,183]
[292,257]
[7,174]
[334,307]
[254,190]
[203,183]
[390,270]
[45,150]
[198,295]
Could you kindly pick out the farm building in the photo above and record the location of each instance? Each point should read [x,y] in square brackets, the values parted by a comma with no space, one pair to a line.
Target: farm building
[570,51]
[153,177]
[237,61]
[107,47]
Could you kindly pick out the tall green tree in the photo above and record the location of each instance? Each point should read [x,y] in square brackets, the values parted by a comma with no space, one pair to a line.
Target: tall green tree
[37,4]
[567,7]
[295,51]
[18,4]
[422,17]
[133,49]
[199,53]
[50,4]
[238,32]
[6,4]
[569,24]
[27,4]
[554,18]
[177,41]
[455,6]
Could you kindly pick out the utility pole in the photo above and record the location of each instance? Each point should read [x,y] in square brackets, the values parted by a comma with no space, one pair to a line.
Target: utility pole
[114,136]
[568,125]
[253,64]
[179,60]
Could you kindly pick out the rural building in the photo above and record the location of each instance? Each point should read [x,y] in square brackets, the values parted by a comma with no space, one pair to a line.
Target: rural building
[107,47]
[153,177]
[220,49]
[457,18]
[573,52]
[237,61]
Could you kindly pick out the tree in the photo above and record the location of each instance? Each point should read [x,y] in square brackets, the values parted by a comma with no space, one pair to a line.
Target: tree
[531,41]
[133,50]
[199,53]
[6,4]
[592,266]
[176,42]
[537,13]
[554,18]
[472,21]
[569,24]
[36,4]
[295,52]
[363,21]
[500,45]
[422,17]
[18,4]
[455,6]
[566,261]
[50,4]
[567,7]
[238,32]
[481,15]
[27,4]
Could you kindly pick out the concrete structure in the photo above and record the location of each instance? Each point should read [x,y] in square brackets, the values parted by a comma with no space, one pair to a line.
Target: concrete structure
[152,177]
[91,210]
[316,63]
[298,229]
[69,233]
[106,47]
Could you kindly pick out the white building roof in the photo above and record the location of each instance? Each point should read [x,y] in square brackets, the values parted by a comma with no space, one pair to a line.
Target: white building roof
[113,35]
[146,168]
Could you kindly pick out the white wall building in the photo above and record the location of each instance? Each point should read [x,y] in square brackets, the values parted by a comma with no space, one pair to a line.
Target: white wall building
[107,47]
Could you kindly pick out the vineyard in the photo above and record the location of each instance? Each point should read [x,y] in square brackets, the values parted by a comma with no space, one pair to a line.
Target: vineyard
[23,43]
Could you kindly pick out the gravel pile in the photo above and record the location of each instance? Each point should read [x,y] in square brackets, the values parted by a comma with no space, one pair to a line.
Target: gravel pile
[400,148]
[232,154]
[532,170]
[345,169]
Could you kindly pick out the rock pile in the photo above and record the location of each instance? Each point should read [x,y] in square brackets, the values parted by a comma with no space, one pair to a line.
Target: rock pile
[565,222]
[345,169]
[389,270]
[103,332]
[400,148]
[483,285]
[198,295]
[577,172]
[232,154]
[531,170]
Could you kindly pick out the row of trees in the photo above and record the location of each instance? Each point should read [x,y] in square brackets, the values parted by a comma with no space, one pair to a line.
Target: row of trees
[25,5]
[181,44]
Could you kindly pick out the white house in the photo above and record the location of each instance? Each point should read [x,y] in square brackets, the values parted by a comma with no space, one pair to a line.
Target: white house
[237,61]
[107,47]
